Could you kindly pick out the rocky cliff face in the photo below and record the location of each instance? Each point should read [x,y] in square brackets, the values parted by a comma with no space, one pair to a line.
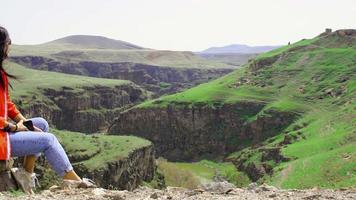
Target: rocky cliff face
[193,132]
[87,109]
[160,80]
[123,174]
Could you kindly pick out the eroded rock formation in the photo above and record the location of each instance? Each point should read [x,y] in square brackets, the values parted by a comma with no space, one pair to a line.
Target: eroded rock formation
[189,133]
[86,109]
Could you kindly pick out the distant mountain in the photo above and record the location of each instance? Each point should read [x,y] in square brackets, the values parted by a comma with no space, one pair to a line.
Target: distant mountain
[238,48]
[95,42]
[235,59]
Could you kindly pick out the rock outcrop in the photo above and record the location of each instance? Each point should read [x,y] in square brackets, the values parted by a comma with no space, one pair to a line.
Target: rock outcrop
[255,169]
[192,132]
[7,183]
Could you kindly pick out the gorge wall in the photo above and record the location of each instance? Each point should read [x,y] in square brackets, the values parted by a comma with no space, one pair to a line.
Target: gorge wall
[188,133]
[160,80]
[85,109]
[124,174]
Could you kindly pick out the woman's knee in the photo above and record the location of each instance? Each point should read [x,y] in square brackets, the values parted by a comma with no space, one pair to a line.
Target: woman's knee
[50,139]
[40,123]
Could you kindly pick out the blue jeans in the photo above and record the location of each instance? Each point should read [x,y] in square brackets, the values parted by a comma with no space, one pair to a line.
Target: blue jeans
[24,143]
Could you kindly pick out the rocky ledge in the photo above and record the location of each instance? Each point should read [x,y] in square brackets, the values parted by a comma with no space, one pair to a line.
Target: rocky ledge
[158,79]
[252,192]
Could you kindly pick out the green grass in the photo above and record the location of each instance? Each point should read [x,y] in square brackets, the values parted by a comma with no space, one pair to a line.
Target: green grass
[175,176]
[16,194]
[282,80]
[31,81]
[201,172]
[328,154]
[214,91]
[99,149]
[328,169]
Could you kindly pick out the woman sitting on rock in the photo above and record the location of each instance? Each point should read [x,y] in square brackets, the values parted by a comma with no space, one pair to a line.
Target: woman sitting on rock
[17,140]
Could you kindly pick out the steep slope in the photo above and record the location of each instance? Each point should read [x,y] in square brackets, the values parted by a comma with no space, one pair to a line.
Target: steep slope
[287,113]
[71,102]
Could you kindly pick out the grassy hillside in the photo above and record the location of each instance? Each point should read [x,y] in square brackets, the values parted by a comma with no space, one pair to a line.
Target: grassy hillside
[314,78]
[30,81]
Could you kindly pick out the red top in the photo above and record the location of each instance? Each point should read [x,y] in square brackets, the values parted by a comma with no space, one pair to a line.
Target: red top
[7,110]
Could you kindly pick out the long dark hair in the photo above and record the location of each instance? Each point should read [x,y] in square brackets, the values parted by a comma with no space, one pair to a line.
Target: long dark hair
[5,41]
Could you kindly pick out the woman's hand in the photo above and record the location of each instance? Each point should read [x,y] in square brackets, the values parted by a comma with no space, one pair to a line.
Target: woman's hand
[37,129]
[21,127]
[24,128]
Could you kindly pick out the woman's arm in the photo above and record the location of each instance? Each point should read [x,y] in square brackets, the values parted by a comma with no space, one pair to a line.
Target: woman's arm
[12,111]
[19,117]
[10,127]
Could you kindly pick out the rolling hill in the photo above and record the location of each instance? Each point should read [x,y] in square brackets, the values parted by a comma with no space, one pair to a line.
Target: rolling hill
[102,49]
[91,42]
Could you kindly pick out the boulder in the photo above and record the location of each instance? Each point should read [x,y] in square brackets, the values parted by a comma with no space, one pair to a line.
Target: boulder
[6,180]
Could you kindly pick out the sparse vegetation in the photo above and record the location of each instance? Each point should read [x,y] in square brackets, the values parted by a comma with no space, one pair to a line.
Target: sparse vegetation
[194,174]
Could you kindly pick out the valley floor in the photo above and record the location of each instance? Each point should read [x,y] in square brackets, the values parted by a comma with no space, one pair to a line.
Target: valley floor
[252,192]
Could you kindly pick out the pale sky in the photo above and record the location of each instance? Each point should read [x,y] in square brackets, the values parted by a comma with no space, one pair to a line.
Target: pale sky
[191,25]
